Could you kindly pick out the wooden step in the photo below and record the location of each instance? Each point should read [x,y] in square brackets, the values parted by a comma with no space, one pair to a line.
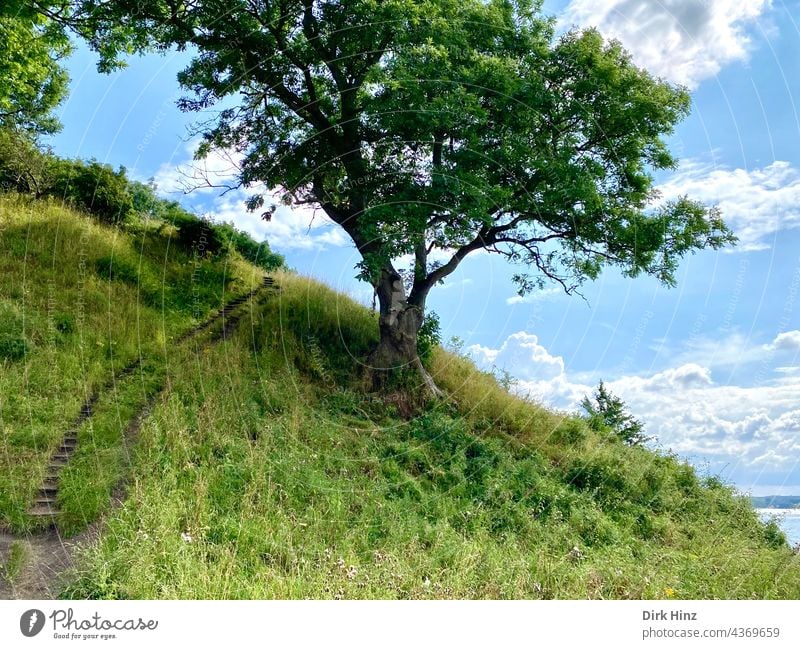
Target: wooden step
[43,511]
[44,500]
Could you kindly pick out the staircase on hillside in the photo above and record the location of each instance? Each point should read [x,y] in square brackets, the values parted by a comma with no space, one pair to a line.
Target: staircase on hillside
[45,504]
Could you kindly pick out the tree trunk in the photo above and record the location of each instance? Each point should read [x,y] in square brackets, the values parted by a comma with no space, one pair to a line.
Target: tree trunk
[399,325]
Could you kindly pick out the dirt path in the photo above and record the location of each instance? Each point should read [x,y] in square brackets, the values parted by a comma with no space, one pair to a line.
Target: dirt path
[36,565]
[47,556]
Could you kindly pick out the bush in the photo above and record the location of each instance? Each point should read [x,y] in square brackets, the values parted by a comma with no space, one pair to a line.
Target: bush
[254,252]
[116,268]
[64,323]
[112,197]
[194,234]
[13,344]
[145,201]
[22,164]
[12,347]
[601,476]
[607,413]
[428,337]
[95,187]
[572,430]
[774,536]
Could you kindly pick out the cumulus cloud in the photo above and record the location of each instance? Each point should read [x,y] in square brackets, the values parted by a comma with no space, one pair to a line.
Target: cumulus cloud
[288,229]
[684,41]
[756,203]
[205,186]
[787,341]
[754,431]
[684,377]
[522,356]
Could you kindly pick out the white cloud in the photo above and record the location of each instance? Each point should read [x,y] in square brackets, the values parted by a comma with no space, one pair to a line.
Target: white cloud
[756,204]
[535,296]
[200,186]
[685,377]
[732,351]
[288,229]
[523,356]
[209,175]
[754,430]
[459,284]
[787,341]
[684,41]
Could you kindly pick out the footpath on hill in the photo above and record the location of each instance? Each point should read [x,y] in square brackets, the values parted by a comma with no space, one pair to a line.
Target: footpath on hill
[39,559]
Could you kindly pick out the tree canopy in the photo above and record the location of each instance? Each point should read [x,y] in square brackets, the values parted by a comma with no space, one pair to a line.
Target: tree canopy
[433,129]
[32,46]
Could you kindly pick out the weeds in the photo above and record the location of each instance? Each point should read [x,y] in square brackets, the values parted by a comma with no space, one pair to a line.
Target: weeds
[15,561]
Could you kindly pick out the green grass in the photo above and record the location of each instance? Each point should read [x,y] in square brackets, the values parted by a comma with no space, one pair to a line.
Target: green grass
[66,324]
[14,562]
[258,477]
[265,470]
[102,458]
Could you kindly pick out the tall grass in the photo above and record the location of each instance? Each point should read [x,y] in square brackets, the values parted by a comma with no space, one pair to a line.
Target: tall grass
[82,300]
[266,470]
[257,476]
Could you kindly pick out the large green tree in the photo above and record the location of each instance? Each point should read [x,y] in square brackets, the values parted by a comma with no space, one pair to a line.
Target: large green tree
[33,44]
[433,129]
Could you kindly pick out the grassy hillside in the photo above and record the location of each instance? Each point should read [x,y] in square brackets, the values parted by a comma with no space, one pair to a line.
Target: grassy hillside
[264,469]
[78,302]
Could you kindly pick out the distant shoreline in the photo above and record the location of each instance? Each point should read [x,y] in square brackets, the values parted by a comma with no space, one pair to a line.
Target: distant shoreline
[776,502]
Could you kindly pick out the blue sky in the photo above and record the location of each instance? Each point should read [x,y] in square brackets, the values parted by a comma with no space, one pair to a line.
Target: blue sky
[710,366]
